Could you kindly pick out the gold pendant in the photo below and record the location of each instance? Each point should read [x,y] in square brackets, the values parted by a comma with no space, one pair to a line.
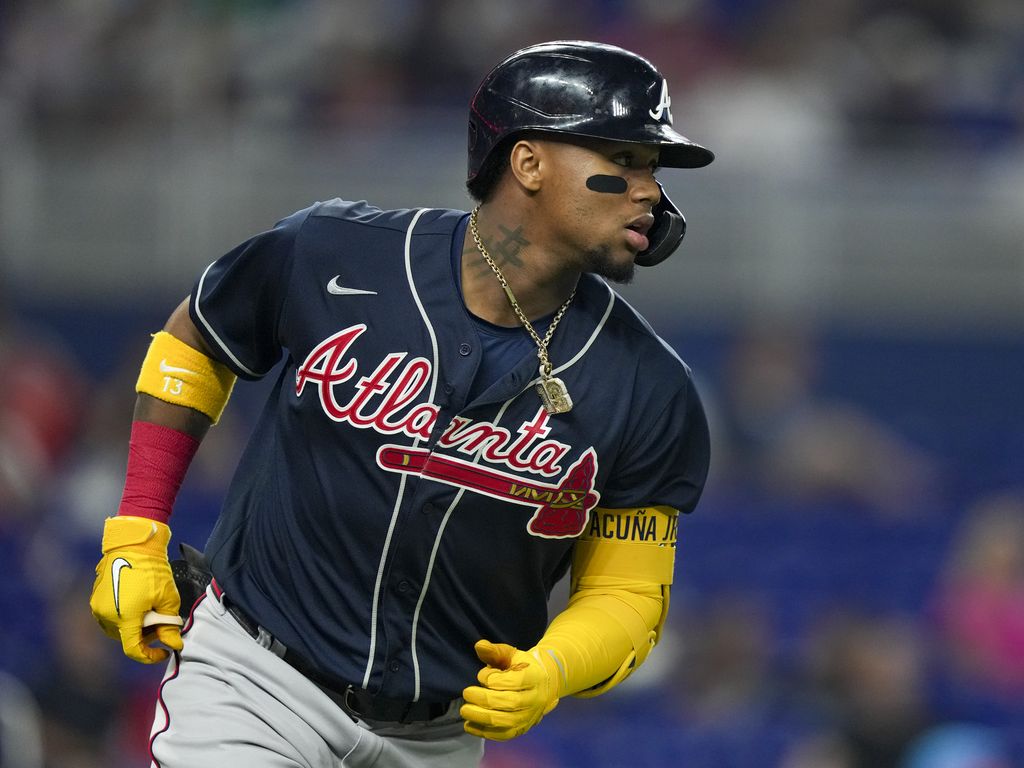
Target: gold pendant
[553,395]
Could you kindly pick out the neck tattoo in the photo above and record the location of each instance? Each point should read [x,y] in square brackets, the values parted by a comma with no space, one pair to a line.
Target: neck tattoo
[553,394]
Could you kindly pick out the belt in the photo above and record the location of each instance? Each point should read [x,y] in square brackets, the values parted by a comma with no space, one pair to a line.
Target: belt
[356,702]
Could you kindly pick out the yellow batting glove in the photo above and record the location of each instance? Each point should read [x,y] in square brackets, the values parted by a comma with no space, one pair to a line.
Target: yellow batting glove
[134,582]
[517,688]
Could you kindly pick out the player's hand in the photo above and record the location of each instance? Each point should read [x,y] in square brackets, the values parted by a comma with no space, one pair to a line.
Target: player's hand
[517,688]
[133,580]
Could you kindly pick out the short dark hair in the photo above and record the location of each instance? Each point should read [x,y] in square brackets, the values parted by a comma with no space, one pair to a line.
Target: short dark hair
[494,167]
[482,185]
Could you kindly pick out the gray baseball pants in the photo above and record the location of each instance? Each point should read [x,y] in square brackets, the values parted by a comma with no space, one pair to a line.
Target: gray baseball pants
[226,701]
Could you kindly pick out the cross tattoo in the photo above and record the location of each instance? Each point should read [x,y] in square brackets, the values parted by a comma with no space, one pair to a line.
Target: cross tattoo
[505,252]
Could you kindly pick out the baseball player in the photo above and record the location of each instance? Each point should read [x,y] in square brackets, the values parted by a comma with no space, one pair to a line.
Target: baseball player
[465,412]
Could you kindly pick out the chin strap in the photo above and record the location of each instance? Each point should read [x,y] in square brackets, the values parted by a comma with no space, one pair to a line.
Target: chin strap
[666,234]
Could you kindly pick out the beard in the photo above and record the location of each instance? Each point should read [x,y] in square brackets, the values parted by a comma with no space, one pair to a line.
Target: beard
[599,261]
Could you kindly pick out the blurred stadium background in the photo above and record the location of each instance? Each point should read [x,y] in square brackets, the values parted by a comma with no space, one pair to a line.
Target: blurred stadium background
[850,593]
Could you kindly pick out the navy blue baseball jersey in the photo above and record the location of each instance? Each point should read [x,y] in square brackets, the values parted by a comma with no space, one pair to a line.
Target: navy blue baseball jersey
[382,519]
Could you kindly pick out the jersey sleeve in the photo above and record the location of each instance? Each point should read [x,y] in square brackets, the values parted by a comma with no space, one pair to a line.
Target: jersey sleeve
[239,300]
[665,458]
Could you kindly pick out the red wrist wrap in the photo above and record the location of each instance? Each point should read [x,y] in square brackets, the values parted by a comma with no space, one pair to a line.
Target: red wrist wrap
[158,458]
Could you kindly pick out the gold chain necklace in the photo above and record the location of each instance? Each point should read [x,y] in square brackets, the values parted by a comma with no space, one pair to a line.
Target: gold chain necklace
[551,389]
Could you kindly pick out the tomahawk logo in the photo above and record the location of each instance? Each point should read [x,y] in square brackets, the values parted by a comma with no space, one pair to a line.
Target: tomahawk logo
[561,510]
[664,103]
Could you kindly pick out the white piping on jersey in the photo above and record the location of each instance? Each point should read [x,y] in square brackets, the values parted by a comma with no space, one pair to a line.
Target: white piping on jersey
[423,592]
[433,556]
[213,333]
[612,297]
[401,486]
[380,578]
[586,347]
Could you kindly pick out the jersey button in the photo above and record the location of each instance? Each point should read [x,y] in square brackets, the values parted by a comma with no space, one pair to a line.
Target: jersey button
[429,508]
[395,666]
[403,586]
[464,349]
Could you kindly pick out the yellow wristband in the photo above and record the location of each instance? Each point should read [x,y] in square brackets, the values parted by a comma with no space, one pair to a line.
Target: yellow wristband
[127,531]
[176,373]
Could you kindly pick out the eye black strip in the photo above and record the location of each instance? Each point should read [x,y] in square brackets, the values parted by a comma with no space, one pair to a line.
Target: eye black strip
[612,185]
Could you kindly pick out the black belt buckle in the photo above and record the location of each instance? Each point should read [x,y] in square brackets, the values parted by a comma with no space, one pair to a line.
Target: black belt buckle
[348,699]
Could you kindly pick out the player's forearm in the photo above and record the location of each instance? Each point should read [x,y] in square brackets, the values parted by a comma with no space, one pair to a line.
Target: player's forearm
[619,600]
[183,419]
[606,631]
[597,636]
[181,392]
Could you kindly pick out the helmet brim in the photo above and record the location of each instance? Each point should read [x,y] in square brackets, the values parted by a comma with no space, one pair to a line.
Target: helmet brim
[676,151]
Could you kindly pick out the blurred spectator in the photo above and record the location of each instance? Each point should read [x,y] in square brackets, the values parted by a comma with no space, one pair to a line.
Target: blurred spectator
[779,433]
[960,745]
[773,92]
[806,73]
[819,751]
[870,673]
[21,743]
[949,72]
[956,745]
[42,388]
[979,602]
[86,491]
[79,690]
[725,670]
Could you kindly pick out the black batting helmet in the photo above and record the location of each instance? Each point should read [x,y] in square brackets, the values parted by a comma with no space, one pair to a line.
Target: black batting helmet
[585,89]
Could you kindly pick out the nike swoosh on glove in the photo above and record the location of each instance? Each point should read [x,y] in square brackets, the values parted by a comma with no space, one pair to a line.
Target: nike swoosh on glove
[133,579]
[517,688]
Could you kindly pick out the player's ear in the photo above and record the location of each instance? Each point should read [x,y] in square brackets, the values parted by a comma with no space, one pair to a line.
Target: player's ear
[525,162]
